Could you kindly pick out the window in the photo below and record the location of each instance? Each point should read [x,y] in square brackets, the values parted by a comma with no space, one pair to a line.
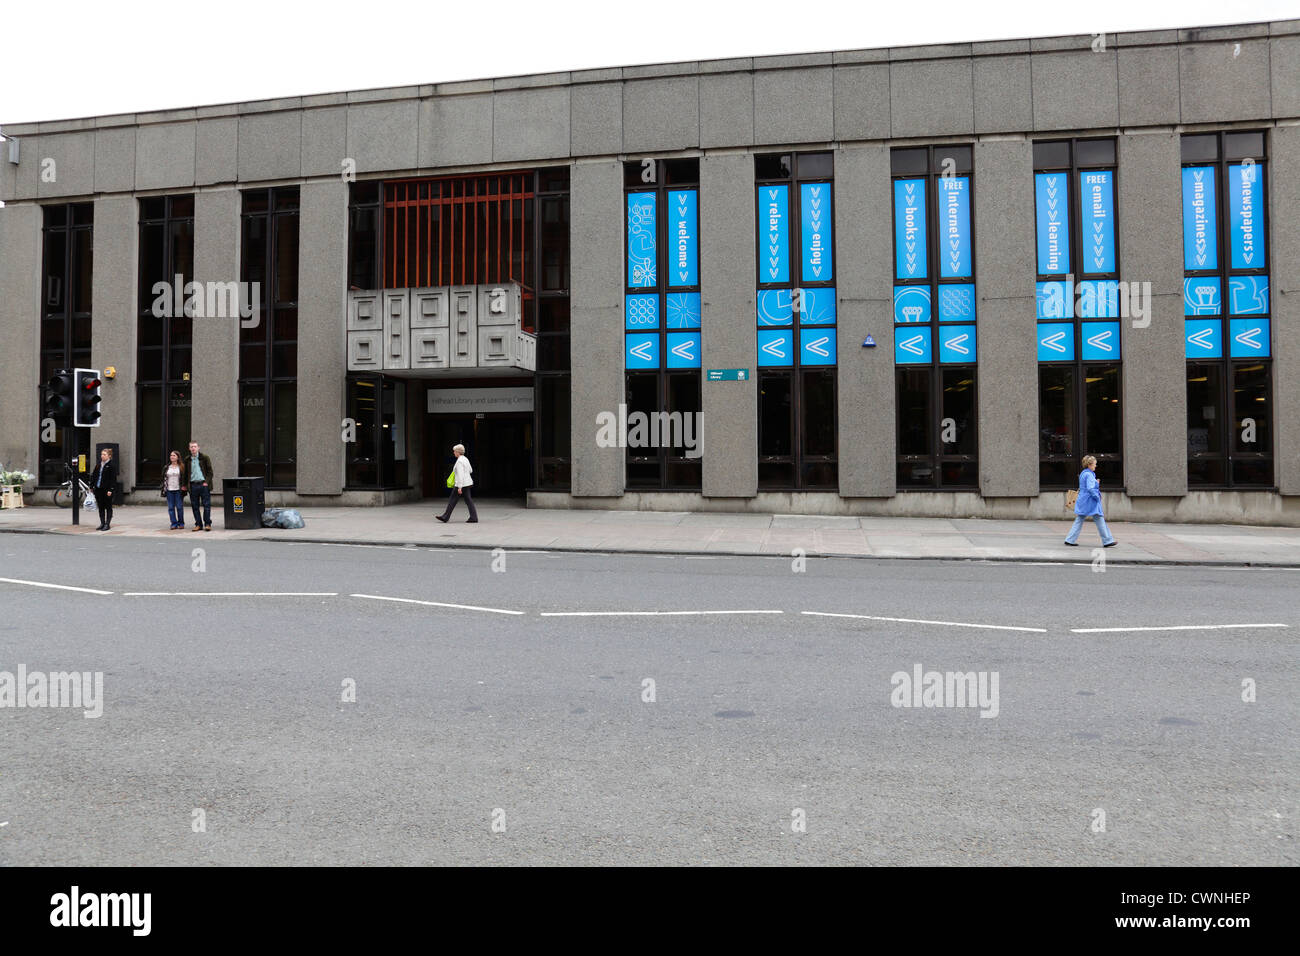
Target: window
[1077,290]
[164,334]
[1227,309]
[796,318]
[377,458]
[268,341]
[551,383]
[934,314]
[66,269]
[661,322]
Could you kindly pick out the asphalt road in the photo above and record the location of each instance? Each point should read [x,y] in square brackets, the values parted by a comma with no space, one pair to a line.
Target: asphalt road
[478,736]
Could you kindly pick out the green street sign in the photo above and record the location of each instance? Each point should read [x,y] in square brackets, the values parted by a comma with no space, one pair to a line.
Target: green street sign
[728,374]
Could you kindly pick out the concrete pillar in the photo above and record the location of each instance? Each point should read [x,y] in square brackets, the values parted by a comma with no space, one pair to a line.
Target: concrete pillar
[214,421]
[113,326]
[1008,351]
[20,336]
[868,438]
[322,359]
[596,255]
[730,337]
[1155,378]
[1284,300]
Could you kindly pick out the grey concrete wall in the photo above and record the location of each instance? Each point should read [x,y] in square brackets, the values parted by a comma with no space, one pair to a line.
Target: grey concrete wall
[729,325]
[20,334]
[214,418]
[864,282]
[322,363]
[596,323]
[113,328]
[1284,200]
[1008,348]
[1155,379]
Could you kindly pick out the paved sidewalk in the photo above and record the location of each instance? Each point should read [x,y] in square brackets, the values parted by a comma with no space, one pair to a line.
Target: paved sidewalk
[510,525]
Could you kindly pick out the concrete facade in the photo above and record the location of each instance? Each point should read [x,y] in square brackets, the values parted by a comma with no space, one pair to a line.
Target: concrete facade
[1144,89]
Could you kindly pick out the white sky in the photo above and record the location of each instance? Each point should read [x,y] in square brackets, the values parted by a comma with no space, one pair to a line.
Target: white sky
[75,58]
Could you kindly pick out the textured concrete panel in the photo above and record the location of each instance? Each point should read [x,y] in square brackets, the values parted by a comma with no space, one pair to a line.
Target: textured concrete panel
[1221,83]
[164,156]
[216,151]
[727,109]
[794,106]
[1003,99]
[384,135]
[729,431]
[455,131]
[1284,186]
[20,333]
[66,165]
[115,159]
[1148,85]
[862,101]
[596,287]
[1008,351]
[661,114]
[325,141]
[530,124]
[1075,90]
[114,328]
[931,98]
[322,341]
[270,147]
[596,119]
[1285,60]
[1155,381]
[867,420]
[214,421]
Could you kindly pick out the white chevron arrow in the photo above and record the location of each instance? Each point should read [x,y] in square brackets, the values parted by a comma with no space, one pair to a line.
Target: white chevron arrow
[1099,341]
[774,347]
[1053,341]
[913,345]
[1202,338]
[1248,337]
[815,346]
[955,344]
[683,349]
[642,351]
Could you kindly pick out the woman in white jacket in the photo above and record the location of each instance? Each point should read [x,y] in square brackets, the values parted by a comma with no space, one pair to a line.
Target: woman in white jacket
[462,482]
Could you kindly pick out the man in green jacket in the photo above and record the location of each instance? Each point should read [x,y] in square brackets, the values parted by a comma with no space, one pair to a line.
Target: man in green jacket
[196,478]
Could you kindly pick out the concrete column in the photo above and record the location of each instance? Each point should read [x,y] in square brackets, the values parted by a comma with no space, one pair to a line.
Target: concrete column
[322,359]
[20,336]
[1155,379]
[730,338]
[1008,349]
[868,428]
[1284,300]
[214,421]
[113,327]
[596,253]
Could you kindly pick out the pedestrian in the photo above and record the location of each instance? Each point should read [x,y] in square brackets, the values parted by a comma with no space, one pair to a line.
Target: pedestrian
[461,485]
[1088,505]
[171,490]
[196,478]
[103,479]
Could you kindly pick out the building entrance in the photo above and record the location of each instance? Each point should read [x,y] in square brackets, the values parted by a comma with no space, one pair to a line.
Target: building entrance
[499,446]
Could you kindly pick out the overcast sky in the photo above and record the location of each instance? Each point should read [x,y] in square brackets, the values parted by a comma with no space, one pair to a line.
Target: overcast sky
[72,59]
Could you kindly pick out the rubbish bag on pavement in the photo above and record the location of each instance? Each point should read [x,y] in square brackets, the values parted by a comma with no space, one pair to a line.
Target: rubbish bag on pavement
[282,518]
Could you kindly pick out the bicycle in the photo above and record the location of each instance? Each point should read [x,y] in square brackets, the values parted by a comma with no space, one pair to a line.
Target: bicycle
[63,493]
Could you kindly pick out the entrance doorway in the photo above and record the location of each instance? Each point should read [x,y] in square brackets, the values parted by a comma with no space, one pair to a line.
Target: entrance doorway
[499,446]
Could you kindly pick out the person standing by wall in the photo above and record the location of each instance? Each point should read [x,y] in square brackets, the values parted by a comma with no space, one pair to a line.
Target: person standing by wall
[102,480]
[1088,505]
[171,489]
[196,472]
[462,485]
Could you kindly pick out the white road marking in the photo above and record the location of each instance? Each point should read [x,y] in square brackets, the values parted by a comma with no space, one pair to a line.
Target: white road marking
[908,620]
[230,593]
[57,587]
[645,613]
[459,607]
[1172,627]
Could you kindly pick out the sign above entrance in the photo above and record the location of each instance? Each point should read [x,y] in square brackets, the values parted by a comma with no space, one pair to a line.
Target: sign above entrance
[728,374]
[450,401]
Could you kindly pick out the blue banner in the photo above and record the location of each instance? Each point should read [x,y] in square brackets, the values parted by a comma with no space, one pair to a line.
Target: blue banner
[1056,342]
[954,227]
[1200,219]
[911,252]
[641,312]
[683,310]
[1248,295]
[1098,299]
[1246,215]
[1203,338]
[1097,218]
[775,347]
[956,302]
[1100,341]
[911,303]
[642,350]
[1055,300]
[816,346]
[683,350]
[1052,211]
[641,255]
[957,343]
[774,233]
[1202,296]
[1249,338]
[912,346]
[817,245]
[774,307]
[818,306]
[684,246]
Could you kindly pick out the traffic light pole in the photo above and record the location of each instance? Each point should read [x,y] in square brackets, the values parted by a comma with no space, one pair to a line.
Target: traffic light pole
[70,444]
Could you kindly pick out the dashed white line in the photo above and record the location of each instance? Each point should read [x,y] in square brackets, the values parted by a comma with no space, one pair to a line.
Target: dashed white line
[57,587]
[909,620]
[230,594]
[1171,627]
[459,607]
[646,613]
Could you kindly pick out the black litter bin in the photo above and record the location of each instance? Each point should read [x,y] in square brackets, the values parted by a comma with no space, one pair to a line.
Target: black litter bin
[245,500]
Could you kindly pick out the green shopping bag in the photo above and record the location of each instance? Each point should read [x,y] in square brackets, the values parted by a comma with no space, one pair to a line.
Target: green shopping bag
[451,479]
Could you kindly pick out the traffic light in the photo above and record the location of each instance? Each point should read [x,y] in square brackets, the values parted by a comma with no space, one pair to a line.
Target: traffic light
[60,397]
[86,411]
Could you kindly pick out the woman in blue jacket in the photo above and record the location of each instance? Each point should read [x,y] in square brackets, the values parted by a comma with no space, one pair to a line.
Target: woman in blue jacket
[1088,505]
